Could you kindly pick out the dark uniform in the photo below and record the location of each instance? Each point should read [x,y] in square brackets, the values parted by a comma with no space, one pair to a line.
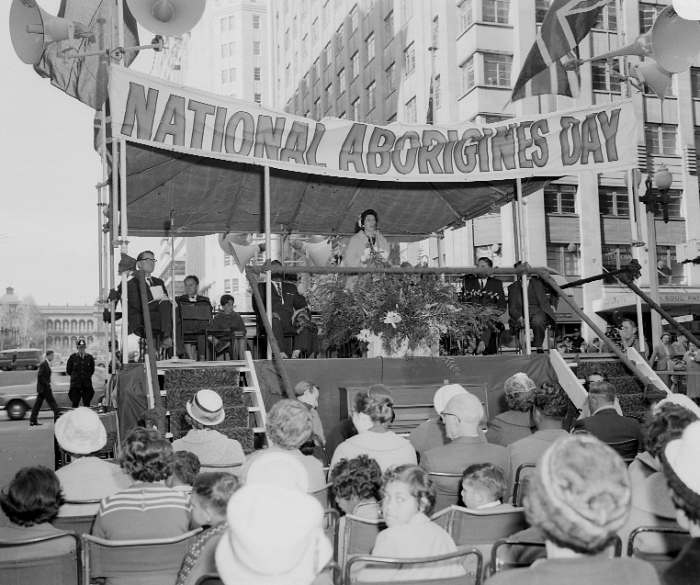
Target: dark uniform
[80,368]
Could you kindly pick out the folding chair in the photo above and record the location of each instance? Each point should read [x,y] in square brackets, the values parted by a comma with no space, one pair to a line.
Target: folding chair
[54,569]
[466,579]
[521,483]
[322,494]
[626,449]
[676,539]
[195,322]
[230,467]
[358,537]
[136,561]
[81,524]
[331,521]
[452,483]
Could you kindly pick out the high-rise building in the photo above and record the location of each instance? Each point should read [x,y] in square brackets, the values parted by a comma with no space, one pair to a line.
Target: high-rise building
[371,61]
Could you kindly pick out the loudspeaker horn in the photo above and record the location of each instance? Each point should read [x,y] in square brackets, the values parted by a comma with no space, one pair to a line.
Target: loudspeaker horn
[168,18]
[319,252]
[652,75]
[31,28]
[673,42]
[239,243]
[688,9]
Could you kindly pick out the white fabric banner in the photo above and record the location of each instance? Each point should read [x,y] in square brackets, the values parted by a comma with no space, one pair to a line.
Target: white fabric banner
[150,111]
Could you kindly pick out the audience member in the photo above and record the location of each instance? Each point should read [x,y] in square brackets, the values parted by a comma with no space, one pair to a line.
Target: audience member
[278,468]
[274,537]
[185,471]
[192,298]
[81,434]
[680,461]
[483,487]
[30,502]
[228,320]
[609,426]
[485,291]
[305,334]
[339,433]
[147,509]
[462,416]
[356,485]
[692,366]
[371,417]
[308,393]
[595,346]
[681,345]
[408,497]
[211,493]
[663,358]
[288,428]
[549,409]
[516,422]
[629,338]
[431,433]
[579,497]
[206,411]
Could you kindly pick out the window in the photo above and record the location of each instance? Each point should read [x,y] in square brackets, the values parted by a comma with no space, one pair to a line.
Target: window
[314,31]
[355,64]
[231,22]
[317,108]
[356,109]
[232,49]
[232,74]
[560,199]
[304,46]
[329,95]
[371,96]
[496,11]
[224,76]
[607,19]
[339,38]
[227,286]
[695,82]
[468,75]
[435,32]
[409,56]
[286,40]
[615,256]
[497,69]
[541,8]
[406,9]
[369,43]
[257,98]
[466,15]
[327,54]
[647,16]
[224,24]
[256,21]
[676,274]
[613,201]
[603,78]
[354,18]
[674,205]
[256,47]
[389,26]
[390,74]
[256,73]
[411,111]
[661,138]
[343,115]
[325,13]
[316,71]
[287,75]
[228,260]
[341,81]
[564,262]
[224,51]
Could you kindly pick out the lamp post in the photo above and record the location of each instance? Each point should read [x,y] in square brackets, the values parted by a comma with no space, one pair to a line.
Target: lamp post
[662,180]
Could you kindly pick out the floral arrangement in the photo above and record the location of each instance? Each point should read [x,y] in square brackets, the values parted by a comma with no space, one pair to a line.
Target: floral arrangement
[398,307]
[479,295]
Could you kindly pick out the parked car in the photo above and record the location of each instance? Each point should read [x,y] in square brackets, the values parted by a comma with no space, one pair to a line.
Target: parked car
[27,358]
[20,398]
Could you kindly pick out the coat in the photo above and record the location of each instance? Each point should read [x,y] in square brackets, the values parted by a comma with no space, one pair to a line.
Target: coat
[80,370]
[492,293]
[547,300]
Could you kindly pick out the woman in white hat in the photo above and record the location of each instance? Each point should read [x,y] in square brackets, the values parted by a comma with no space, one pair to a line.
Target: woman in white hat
[206,411]
[81,434]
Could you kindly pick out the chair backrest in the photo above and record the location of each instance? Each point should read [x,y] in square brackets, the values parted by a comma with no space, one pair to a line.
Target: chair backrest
[472,527]
[675,538]
[449,482]
[81,524]
[521,477]
[331,520]
[209,579]
[626,449]
[194,315]
[358,537]
[29,565]
[321,494]
[410,565]
[135,561]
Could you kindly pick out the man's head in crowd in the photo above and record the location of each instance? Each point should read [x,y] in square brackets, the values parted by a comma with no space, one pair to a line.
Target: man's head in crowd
[483,483]
[191,285]
[146,261]
[227,303]
[601,394]
[307,392]
[462,416]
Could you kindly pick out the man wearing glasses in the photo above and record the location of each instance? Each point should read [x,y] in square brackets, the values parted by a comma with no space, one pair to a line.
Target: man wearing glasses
[158,303]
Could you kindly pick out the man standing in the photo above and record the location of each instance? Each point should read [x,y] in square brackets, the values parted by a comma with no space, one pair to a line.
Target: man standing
[485,291]
[43,390]
[80,368]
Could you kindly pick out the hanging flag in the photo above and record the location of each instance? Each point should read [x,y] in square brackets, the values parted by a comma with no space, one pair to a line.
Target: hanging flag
[429,115]
[96,29]
[565,25]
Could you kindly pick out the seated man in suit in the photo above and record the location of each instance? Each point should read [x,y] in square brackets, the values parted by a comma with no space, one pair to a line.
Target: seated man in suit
[542,302]
[462,415]
[159,306]
[285,300]
[192,298]
[486,291]
[606,424]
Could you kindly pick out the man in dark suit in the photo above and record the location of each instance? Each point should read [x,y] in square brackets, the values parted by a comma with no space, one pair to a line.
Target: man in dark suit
[609,426]
[80,367]
[192,298]
[486,291]
[43,390]
[542,302]
[285,300]
[462,415]
[160,308]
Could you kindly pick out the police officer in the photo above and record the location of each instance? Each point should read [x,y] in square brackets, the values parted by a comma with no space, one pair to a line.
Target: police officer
[80,368]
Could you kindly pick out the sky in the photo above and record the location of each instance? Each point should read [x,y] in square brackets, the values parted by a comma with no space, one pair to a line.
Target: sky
[48,173]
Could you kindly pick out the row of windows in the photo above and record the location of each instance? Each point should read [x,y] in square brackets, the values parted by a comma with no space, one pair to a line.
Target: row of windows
[73,325]
[228,23]
[65,342]
[229,75]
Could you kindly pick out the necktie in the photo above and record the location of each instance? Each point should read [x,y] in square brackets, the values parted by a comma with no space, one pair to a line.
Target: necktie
[278,288]
[150,283]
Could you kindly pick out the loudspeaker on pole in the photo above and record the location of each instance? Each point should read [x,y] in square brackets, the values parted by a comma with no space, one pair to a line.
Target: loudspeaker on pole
[32,28]
[167,17]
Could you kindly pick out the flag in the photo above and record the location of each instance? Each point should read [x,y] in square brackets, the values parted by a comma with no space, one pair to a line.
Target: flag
[96,28]
[429,115]
[565,25]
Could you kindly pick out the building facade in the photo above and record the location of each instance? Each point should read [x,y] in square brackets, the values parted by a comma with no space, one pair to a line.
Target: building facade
[371,61]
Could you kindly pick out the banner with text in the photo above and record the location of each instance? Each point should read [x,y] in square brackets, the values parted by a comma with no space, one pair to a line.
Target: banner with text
[154,112]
